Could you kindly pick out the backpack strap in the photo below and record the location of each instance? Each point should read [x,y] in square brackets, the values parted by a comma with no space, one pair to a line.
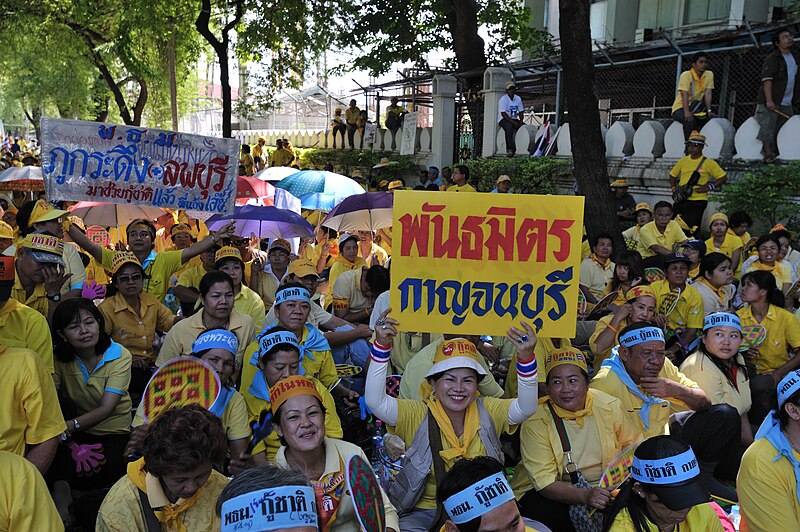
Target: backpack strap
[435,436]
[150,519]
[562,435]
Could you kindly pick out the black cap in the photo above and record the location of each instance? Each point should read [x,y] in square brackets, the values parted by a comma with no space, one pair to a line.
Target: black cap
[695,244]
[677,257]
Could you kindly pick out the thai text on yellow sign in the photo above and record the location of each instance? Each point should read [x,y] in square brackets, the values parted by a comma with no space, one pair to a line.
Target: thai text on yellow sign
[472,263]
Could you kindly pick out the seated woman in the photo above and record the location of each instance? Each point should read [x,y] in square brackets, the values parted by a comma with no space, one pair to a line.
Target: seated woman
[769,479]
[718,368]
[174,485]
[245,301]
[628,272]
[714,283]
[596,430]
[639,305]
[132,317]
[298,416]
[218,348]
[724,241]
[278,355]
[770,361]
[448,425]
[769,247]
[92,376]
[347,259]
[673,498]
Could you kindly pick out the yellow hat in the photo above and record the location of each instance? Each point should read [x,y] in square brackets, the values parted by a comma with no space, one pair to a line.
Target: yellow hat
[180,228]
[6,231]
[337,110]
[77,222]
[394,185]
[568,355]
[121,258]
[44,212]
[302,268]
[643,206]
[640,291]
[718,216]
[696,138]
[510,85]
[44,248]
[781,227]
[619,183]
[355,173]
[383,183]
[289,387]
[456,353]
[384,162]
[281,243]
[227,252]
[502,178]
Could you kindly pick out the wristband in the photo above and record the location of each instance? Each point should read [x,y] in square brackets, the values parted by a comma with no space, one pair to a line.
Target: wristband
[527,368]
[380,353]
[213,238]
[711,186]
[612,328]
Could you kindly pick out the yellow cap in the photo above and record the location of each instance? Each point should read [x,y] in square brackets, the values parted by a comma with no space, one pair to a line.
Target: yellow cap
[289,387]
[502,178]
[643,206]
[44,212]
[456,353]
[568,355]
[718,216]
[77,222]
[121,258]
[619,183]
[696,138]
[639,291]
[281,243]
[394,185]
[227,252]
[44,248]
[355,173]
[180,228]
[383,183]
[6,231]
[302,268]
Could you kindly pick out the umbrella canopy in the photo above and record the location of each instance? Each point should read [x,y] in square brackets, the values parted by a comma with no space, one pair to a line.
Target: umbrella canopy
[264,222]
[112,214]
[251,188]
[22,178]
[308,184]
[275,173]
[362,212]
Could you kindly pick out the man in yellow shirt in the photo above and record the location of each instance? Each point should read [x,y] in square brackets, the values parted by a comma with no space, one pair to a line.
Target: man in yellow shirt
[461,180]
[38,278]
[187,291]
[245,301]
[597,269]
[692,105]
[688,314]
[338,126]
[394,115]
[25,502]
[258,152]
[651,388]
[281,156]
[351,115]
[657,238]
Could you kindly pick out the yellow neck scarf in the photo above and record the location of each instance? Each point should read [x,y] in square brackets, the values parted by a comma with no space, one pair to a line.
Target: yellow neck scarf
[566,414]
[761,266]
[601,263]
[170,514]
[471,426]
[719,291]
[359,262]
[698,80]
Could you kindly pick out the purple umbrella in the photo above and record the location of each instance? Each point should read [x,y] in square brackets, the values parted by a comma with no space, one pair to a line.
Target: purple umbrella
[264,222]
[362,212]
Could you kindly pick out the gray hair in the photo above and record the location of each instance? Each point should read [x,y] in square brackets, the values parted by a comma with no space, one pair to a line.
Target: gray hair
[260,478]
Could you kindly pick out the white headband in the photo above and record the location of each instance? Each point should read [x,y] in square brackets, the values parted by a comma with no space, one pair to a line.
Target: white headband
[638,336]
[478,499]
[270,509]
[295,293]
[665,471]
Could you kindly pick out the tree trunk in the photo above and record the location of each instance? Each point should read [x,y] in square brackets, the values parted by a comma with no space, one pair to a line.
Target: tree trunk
[35,118]
[225,83]
[588,150]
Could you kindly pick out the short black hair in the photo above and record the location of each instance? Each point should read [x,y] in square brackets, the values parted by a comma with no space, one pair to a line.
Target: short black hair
[464,170]
[377,279]
[596,238]
[699,55]
[776,35]
[464,474]
[740,217]
[662,203]
[213,277]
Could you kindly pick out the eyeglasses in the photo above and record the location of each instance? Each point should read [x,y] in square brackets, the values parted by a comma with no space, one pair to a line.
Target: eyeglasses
[135,278]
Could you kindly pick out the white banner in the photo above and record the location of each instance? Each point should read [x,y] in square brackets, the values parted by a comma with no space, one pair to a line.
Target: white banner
[409,140]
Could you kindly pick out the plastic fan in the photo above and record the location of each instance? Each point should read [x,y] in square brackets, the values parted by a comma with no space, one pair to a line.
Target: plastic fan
[654,274]
[393,385]
[753,336]
[581,302]
[618,469]
[181,381]
[669,302]
[793,290]
[347,370]
[603,304]
[366,495]
[261,429]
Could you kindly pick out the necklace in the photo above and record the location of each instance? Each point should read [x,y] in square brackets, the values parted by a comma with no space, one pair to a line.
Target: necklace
[791,441]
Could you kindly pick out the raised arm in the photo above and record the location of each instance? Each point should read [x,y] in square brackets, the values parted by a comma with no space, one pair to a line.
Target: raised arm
[207,243]
[524,406]
[381,404]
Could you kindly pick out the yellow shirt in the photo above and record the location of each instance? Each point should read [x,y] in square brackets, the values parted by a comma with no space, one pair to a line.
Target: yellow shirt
[688,313]
[701,518]
[602,325]
[248,302]
[337,454]
[632,233]
[767,490]
[136,331]
[181,337]
[410,415]
[781,271]
[22,326]
[351,115]
[607,381]
[708,376]
[96,273]
[466,187]
[190,278]
[158,266]
[649,236]
[341,265]
[693,88]
[783,333]
[384,244]
[121,510]
[595,277]
[25,502]
[376,252]
[37,301]
[543,347]
[85,390]
[710,171]
[265,286]
[604,433]
[73,265]
[333,426]
[714,300]
[729,245]
[347,292]
[406,345]
[30,413]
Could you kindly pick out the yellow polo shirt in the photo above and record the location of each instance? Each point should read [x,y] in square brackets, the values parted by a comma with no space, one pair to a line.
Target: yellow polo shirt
[25,502]
[248,302]
[649,236]
[688,313]
[602,325]
[22,326]
[37,301]
[781,271]
[464,188]
[543,347]
[30,413]
[96,273]
[708,376]
[710,171]
[85,390]
[701,518]
[767,490]
[180,338]
[406,345]
[159,267]
[729,245]
[595,277]
[74,266]
[696,90]
[607,381]
[342,265]
[271,444]
[347,292]
[384,244]
[136,332]
[265,286]
[378,253]
[191,277]
[594,445]
[783,334]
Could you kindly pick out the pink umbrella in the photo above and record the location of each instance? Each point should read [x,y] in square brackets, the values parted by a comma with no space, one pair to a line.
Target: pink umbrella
[253,188]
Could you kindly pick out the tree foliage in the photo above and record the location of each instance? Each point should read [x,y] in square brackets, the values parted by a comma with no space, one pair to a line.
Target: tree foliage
[529,175]
[765,196]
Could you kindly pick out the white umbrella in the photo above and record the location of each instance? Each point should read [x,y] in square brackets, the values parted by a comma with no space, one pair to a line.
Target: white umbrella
[22,178]
[113,214]
[275,173]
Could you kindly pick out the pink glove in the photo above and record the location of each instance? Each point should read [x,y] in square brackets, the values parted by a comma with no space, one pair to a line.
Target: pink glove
[87,458]
[93,290]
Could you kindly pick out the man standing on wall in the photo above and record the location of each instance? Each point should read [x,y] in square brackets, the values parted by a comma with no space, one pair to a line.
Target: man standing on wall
[780,88]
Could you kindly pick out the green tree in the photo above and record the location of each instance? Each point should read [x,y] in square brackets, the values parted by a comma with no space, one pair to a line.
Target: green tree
[765,196]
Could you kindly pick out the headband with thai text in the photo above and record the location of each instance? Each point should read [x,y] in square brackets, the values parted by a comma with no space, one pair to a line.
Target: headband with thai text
[268,341]
[478,499]
[722,319]
[270,509]
[295,293]
[216,339]
[665,471]
[788,386]
[638,336]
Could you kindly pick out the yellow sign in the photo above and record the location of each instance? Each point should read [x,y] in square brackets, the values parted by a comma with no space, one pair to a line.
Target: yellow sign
[472,263]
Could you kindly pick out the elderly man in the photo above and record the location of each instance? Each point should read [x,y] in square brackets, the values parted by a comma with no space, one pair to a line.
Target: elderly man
[509,116]
[502,185]
[39,279]
[651,388]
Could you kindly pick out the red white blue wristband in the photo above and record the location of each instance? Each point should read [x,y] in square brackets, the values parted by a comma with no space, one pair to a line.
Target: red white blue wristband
[527,368]
[380,353]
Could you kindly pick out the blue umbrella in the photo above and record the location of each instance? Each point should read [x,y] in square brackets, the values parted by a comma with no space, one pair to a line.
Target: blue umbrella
[264,222]
[318,189]
[363,212]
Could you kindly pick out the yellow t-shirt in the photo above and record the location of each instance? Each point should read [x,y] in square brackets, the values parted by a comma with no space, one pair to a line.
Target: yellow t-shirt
[410,415]
[688,313]
[73,265]
[351,115]
[37,301]
[158,266]
[347,292]
[341,265]
[709,172]
[265,286]
[136,332]
[767,490]
[595,277]
[377,253]
[25,502]
[604,433]
[607,381]
[191,277]
[543,347]
[384,244]
[729,245]
[248,302]
[701,518]
[30,413]
[708,376]
[22,326]
[406,345]
[694,88]
[96,273]
[85,390]
[649,236]
[783,333]
[602,325]
[463,188]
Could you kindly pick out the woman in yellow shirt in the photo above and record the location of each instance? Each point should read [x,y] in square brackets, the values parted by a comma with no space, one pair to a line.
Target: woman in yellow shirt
[663,492]
[245,301]
[347,259]
[722,241]
[714,283]
[768,260]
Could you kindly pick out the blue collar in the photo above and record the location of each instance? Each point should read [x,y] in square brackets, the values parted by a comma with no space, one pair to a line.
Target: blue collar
[150,258]
[113,352]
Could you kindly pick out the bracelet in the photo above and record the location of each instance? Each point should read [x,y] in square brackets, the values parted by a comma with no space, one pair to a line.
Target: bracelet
[612,328]
[711,186]
[366,311]
[214,237]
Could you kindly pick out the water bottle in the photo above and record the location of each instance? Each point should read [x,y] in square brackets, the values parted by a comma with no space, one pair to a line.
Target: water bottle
[735,516]
[377,445]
